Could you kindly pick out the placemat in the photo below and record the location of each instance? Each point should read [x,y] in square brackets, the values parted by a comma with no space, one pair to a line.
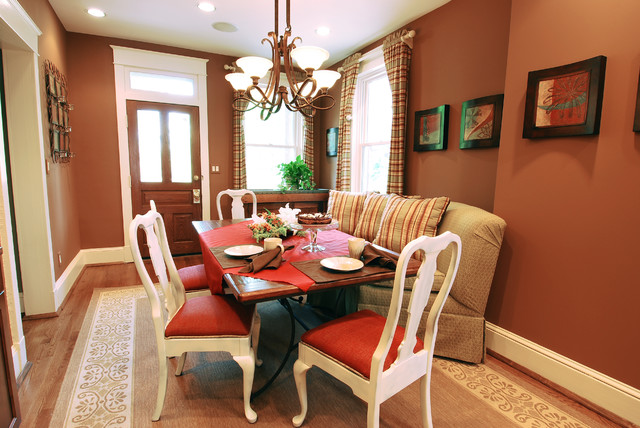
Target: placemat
[225,261]
[314,270]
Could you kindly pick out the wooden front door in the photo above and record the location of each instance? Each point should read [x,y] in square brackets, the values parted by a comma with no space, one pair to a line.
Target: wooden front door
[164,152]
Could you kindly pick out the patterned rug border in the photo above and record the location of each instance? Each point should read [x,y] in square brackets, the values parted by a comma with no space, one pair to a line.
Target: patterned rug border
[507,396]
[64,399]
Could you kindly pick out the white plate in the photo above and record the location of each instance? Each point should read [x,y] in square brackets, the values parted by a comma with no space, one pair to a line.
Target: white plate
[243,250]
[344,264]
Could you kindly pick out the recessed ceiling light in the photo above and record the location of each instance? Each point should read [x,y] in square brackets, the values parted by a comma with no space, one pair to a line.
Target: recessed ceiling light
[225,27]
[206,6]
[96,12]
[323,31]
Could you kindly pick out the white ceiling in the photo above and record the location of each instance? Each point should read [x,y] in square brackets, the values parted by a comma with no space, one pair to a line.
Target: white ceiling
[353,23]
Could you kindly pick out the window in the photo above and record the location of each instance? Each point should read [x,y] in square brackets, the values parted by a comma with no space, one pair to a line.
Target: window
[371,130]
[173,85]
[269,143]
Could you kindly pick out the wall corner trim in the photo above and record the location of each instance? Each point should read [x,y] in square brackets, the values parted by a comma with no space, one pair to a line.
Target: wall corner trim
[600,389]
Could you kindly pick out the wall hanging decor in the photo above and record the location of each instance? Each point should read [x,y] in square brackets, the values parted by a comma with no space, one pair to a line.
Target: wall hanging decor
[332,142]
[636,118]
[480,122]
[58,108]
[431,129]
[566,100]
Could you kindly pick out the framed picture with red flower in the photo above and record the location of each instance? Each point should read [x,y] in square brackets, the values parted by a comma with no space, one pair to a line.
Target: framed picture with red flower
[480,122]
[431,129]
[565,101]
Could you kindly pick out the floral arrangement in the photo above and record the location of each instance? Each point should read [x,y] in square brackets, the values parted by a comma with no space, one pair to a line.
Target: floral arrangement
[272,225]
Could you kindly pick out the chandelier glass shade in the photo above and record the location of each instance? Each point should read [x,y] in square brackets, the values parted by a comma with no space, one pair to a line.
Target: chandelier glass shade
[307,90]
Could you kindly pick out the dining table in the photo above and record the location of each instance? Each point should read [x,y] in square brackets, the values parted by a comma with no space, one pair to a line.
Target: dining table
[290,280]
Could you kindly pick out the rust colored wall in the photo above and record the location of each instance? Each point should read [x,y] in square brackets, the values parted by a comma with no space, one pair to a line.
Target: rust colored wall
[65,232]
[567,278]
[95,131]
[459,53]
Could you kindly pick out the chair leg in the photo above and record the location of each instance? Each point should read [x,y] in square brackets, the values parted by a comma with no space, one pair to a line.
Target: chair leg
[162,386]
[425,399]
[181,362]
[300,370]
[255,337]
[247,364]
[373,414]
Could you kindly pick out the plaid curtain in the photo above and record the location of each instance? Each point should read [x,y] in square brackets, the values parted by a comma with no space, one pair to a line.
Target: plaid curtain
[397,59]
[350,77]
[307,152]
[238,147]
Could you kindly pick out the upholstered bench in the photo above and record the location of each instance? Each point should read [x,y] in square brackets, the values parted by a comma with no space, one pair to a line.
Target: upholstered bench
[392,221]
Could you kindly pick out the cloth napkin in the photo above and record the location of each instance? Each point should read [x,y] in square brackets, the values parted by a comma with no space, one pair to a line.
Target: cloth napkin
[267,259]
[375,256]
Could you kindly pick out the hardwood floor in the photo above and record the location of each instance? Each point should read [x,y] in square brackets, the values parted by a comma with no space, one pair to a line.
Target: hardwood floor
[50,343]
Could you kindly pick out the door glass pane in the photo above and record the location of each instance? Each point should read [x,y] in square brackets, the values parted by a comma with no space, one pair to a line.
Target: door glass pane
[180,146]
[149,146]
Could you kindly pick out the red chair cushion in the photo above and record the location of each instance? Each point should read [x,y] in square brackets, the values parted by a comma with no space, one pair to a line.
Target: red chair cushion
[193,277]
[213,315]
[353,339]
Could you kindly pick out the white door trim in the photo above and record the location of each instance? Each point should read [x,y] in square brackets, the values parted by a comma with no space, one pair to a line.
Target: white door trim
[126,59]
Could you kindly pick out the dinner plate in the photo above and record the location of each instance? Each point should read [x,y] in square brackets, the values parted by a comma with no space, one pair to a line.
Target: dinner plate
[344,264]
[243,250]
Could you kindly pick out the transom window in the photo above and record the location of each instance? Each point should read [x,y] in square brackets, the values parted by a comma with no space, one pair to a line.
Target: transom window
[163,83]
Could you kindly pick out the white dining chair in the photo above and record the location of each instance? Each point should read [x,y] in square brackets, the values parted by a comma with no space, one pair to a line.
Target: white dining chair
[194,278]
[237,207]
[211,323]
[371,354]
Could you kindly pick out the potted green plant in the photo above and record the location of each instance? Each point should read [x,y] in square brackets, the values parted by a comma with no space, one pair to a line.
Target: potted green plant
[296,175]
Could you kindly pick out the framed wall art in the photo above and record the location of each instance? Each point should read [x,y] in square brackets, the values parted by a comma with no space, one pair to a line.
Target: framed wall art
[58,108]
[636,117]
[481,122]
[431,129]
[332,142]
[565,101]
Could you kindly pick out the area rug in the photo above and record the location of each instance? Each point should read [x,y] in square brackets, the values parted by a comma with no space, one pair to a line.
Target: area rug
[111,383]
[98,385]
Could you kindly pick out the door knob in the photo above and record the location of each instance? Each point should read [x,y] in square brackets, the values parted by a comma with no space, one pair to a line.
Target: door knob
[196,177]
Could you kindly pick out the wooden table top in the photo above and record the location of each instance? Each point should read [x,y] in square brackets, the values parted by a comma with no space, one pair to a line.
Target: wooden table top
[252,290]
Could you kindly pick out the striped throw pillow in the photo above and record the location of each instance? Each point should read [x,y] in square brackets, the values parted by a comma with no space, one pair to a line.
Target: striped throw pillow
[406,219]
[371,217]
[346,207]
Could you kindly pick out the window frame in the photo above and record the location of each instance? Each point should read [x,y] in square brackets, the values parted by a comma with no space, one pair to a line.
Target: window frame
[372,68]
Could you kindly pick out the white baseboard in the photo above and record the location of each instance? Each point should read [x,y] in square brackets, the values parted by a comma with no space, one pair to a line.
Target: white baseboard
[82,259]
[600,389]
[19,355]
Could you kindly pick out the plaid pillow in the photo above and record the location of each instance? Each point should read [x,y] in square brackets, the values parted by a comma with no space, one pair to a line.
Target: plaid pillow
[346,207]
[372,212]
[406,219]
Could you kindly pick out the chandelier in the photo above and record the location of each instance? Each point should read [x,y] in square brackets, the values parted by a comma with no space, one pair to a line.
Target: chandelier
[309,90]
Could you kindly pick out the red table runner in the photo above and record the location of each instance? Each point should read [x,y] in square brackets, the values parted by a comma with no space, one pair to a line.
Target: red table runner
[334,241]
